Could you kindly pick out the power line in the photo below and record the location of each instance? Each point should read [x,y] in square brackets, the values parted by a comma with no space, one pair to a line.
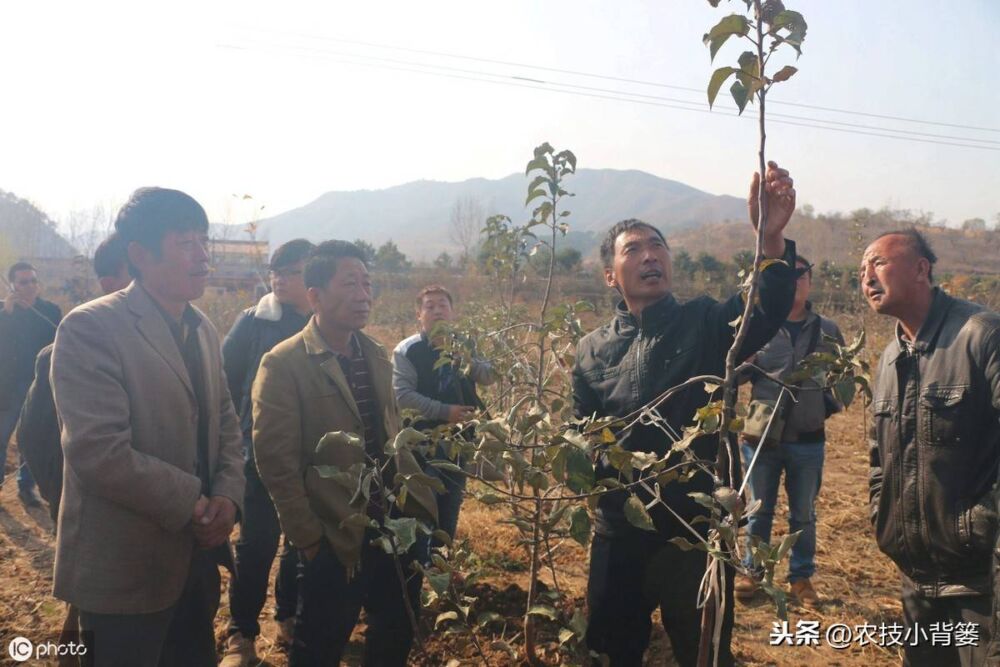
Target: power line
[606,77]
[638,98]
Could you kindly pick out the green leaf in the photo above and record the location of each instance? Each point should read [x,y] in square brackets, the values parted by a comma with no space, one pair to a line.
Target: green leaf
[786,543]
[540,162]
[682,543]
[741,95]
[535,194]
[727,497]
[844,391]
[734,24]
[637,515]
[620,458]
[447,466]
[404,530]
[487,617]
[345,478]
[490,499]
[784,74]
[718,78]
[569,157]
[702,499]
[422,479]
[748,63]
[579,470]
[543,610]
[558,463]
[579,525]
[439,582]
[445,616]
[565,634]
[790,20]
[796,26]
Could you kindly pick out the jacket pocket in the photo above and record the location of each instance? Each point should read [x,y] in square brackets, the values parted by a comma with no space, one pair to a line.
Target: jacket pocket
[977,527]
[941,416]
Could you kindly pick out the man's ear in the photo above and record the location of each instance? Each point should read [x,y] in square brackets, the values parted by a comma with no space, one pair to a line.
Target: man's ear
[924,269]
[312,296]
[609,278]
[138,255]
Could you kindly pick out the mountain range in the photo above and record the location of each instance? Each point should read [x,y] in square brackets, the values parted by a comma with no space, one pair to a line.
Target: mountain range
[417,215]
[26,231]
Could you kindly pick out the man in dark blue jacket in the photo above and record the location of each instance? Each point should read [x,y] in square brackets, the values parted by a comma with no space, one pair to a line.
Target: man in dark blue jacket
[279,315]
[654,343]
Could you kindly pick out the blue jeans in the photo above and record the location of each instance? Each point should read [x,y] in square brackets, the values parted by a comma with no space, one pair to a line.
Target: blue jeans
[8,422]
[802,464]
[450,502]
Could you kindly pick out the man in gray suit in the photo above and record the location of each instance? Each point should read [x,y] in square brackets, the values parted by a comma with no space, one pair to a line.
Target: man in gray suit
[153,476]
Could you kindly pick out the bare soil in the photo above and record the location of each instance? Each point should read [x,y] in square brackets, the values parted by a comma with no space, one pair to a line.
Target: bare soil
[857,584]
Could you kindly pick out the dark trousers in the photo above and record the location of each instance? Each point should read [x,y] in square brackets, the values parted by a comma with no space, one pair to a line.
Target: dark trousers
[179,636]
[921,612]
[329,604]
[8,422]
[260,533]
[631,575]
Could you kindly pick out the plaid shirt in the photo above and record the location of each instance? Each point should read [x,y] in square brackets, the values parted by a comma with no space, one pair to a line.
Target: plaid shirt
[358,377]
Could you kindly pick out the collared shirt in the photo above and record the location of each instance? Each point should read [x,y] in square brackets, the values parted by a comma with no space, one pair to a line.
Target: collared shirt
[358,376]
[185,333]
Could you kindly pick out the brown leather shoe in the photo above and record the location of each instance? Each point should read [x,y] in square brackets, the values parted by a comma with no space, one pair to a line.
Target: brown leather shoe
[804,592]
[744,588]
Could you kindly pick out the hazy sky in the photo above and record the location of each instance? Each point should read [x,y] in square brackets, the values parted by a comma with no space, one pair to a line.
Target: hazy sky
[282,101]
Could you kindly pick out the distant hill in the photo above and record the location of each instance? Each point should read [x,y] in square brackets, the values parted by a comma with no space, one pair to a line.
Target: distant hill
[416,215]
[842,239]
[25,231]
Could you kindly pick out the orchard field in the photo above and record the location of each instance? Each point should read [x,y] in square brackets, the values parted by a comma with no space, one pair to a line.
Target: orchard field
[858,585]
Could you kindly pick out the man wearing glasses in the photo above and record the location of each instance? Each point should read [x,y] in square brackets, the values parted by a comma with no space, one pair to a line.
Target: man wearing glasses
[27,324]
[279,315]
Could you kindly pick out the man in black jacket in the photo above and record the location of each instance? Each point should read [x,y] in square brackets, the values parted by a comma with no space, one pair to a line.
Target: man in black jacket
[652,344]
[279,315]
[934,448]
[38,427]
[27,324]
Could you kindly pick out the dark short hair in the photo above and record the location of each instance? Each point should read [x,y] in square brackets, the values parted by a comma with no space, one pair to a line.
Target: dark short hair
[433,289]
[608,245]
[918,243]
[291,252]
[151,213]
[321,265]
[19,266]
[110,257]
[799,259]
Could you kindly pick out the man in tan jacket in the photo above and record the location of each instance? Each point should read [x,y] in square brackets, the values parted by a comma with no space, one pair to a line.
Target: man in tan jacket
[153,474]
[323,404]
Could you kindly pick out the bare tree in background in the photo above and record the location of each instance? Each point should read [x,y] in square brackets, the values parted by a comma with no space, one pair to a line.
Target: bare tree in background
[465,223]
[87,227]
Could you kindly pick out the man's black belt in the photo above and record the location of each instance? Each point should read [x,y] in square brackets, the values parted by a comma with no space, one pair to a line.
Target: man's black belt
[809,437]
